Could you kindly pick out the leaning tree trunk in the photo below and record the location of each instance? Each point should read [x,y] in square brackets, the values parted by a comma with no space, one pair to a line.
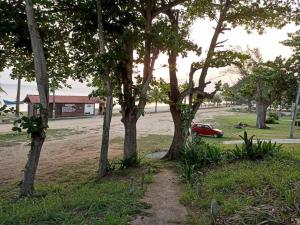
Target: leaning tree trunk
[109,98]
[105,136]
[261,113]
[27,187]
[38,138]
[130,145]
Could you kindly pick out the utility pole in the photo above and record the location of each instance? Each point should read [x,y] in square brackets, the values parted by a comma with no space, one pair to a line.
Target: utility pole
[295,109]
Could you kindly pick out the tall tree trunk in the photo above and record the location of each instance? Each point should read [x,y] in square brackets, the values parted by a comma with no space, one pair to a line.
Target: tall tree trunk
[130,145]
[53,104]
[261,113]
[27,185]
[180,135]
[249,105]
[156,106]
[18,97]
[295,112]
[109,98]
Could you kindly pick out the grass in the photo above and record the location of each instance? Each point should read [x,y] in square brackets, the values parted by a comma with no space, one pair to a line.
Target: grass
[71,195]
[248,192]
[15,137]
[226,123]
[75,197]
[149,143]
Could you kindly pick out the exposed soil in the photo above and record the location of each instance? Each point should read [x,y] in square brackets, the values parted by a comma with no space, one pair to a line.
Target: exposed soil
[84,145]
[163,195]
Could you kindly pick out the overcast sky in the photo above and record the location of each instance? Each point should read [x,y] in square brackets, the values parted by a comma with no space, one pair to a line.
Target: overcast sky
[201,33]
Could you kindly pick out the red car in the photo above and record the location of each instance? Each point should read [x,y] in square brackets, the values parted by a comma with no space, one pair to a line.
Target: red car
[206,130]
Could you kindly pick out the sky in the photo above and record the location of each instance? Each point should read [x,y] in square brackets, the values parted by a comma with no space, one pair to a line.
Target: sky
[201,33]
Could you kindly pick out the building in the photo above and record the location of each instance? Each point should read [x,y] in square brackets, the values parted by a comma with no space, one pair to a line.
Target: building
[67,106]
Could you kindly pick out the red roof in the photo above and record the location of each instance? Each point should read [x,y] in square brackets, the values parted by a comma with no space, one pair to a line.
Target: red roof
[63,99]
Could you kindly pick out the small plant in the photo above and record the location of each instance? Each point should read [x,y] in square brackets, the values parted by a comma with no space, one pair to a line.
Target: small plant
[110,166]
[273,115]
[254,151]
[199,153]
[271,120]
[130,162]
[187,171]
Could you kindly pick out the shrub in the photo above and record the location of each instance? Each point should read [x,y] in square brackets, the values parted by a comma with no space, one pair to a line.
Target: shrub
[273,115]
[271,120]
[199,153]
[130,162]
[254,151]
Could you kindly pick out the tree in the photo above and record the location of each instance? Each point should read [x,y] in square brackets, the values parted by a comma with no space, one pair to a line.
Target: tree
[227,14]
[157,93]
[38,136]
[109,96]
[268,81]
[216,99]
[294,43]
[16,49]
[128,29]
[228,93]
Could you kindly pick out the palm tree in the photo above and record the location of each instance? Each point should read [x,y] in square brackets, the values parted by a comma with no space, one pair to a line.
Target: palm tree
[156,95]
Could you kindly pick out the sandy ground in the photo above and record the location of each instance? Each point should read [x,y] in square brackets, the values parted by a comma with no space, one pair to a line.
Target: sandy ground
[163,195]
[84,146]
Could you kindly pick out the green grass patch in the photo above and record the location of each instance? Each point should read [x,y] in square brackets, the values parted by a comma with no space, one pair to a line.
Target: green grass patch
[248,192]
[75,197]
[226,123]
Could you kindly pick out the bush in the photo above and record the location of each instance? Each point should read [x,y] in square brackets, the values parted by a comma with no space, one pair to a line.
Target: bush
[271,120]
[198,153]
[273,115]
[254,151]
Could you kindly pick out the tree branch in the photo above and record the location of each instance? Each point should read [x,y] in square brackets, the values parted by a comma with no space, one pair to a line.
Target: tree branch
[167,7]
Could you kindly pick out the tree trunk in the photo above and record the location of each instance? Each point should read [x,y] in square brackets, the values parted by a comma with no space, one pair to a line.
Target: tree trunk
[105,137]
[261,113]
[109,99]
[18,97]
[180,135]
[295,112]
[27,185]
[249,105]
[155,106]
[53,105]
[130,146]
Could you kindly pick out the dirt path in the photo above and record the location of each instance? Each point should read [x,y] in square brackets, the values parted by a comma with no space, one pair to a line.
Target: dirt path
[163,195]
